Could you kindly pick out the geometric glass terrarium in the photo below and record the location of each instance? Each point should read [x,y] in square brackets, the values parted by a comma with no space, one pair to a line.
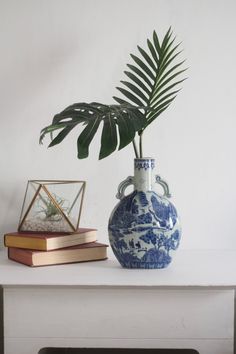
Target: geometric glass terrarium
[52,206]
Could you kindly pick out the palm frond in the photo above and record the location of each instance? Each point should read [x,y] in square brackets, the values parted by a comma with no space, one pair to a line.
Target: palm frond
[154,79]
[155,76]
[126,117]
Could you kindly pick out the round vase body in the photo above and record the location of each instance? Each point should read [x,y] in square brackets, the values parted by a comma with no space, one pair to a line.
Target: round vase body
[144,230]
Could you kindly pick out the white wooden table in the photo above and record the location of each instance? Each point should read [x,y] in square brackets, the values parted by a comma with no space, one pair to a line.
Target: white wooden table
[99,304]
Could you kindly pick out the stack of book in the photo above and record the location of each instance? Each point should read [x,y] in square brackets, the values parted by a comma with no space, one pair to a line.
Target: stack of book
[40,249]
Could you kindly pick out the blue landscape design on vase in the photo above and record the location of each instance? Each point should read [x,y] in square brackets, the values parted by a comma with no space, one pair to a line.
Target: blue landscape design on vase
[144,230]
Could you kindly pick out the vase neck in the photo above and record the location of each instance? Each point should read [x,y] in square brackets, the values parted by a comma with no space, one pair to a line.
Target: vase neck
[143,174]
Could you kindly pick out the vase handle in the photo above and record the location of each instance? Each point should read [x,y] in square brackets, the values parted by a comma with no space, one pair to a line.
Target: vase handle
[164,185]
[123,185]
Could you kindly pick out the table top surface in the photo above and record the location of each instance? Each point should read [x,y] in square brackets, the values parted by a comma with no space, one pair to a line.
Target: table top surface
[189,268]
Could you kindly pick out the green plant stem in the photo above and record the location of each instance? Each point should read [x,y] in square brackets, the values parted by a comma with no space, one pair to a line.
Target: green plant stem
[135,149]
[141,145]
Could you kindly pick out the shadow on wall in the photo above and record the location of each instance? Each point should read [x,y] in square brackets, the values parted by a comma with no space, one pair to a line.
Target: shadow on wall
[115,351]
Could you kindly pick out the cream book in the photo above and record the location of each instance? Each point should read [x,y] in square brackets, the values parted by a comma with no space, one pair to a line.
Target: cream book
[49,241]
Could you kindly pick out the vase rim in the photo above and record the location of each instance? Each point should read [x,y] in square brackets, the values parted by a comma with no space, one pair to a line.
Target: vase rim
[143,158]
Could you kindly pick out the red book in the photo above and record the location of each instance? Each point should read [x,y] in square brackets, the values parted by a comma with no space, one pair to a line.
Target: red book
[83,253]
[49,241]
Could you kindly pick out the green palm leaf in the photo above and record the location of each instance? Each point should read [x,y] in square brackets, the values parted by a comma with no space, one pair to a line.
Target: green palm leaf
[127,118]
[154,77]
[154,81]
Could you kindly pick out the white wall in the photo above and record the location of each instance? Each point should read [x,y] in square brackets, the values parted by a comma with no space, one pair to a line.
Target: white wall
[57,52]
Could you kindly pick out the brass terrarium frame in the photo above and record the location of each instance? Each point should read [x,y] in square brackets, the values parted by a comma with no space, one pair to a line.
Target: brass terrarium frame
[42,186]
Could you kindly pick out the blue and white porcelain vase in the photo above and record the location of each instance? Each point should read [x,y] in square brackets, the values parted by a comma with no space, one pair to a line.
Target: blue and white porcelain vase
[144,229]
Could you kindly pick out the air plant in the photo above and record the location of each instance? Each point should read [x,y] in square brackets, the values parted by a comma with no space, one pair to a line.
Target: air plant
[52,209]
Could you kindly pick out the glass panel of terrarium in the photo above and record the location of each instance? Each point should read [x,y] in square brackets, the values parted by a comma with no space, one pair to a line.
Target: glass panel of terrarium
[43,213]
[29,198]
[68,195]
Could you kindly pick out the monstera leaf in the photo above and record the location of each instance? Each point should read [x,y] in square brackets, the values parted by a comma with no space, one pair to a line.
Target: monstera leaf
[154,83]
[127,118]
[154,77]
